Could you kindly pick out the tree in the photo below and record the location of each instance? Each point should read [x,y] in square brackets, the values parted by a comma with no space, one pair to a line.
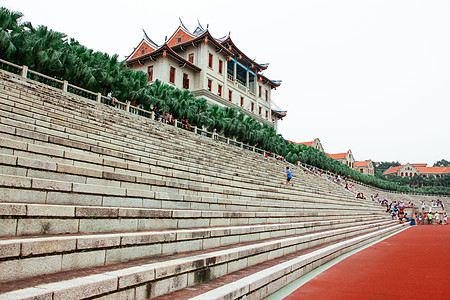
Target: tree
[442,163]
[10,28]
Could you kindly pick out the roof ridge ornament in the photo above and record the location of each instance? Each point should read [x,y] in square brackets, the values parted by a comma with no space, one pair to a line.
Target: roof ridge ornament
[199,30]
[149,39]
[182,25]
[200,25]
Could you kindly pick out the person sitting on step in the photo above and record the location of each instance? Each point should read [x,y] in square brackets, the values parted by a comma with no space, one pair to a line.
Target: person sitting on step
[111,98]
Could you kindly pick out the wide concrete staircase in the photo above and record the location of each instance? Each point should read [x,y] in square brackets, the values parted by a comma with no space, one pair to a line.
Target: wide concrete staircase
[101,203]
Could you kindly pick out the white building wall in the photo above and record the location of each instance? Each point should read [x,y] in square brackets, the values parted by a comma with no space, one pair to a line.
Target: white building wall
[199,80]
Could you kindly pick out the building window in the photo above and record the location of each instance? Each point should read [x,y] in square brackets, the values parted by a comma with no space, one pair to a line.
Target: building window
[185,81]
[242,101]
[179,39]
[230,95]
[267,114]
[401,174]
[259,91]
[260,111]
[210,85]
[219,90]
[191,58]
[210,61]
[267,95]
[220,66]
[172,75]
[253,106]
[150,73]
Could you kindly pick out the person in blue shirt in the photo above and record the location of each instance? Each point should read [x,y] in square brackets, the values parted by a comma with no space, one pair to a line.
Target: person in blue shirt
[288,177]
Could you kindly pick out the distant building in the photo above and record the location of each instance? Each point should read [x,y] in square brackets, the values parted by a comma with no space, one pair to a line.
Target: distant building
[365,167]
[411,170]
[345,158]
[212,68]
[315,144]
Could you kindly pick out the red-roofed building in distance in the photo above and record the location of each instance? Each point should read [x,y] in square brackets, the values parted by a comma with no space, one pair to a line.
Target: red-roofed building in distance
[316,144]
[211,68]
[410,170]
[345,158]
[365,167]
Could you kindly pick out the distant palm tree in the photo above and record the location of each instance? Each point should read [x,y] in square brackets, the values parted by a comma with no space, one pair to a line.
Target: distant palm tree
[10,29]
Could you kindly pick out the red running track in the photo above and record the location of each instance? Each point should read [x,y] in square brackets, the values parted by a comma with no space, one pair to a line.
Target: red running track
[413,264]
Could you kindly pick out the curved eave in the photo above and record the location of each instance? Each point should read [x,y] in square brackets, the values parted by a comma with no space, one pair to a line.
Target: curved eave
[265,80]
[149,40]
[279,115]
[228,41]
[169,51]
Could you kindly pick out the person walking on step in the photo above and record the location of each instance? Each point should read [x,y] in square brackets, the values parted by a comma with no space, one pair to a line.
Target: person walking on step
[288,176]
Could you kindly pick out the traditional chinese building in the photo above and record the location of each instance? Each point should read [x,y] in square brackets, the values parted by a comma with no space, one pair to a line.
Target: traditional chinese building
[411,170]
[316,144]
[345,158]
[212,68]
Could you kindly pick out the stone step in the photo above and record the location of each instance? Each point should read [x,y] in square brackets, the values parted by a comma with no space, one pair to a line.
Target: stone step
[50,129]
[176,273]
[74,252]
[19,187]
[127,173]
[60,102]
[115,163]
[19,219]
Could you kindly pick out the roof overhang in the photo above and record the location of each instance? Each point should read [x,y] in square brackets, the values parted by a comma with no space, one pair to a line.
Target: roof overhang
[241,56]
[153,55]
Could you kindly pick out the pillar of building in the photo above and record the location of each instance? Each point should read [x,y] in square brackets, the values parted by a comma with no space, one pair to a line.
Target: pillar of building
[225,77]
[247,81]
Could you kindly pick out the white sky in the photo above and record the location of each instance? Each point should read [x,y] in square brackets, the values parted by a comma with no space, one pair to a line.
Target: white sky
[370,76]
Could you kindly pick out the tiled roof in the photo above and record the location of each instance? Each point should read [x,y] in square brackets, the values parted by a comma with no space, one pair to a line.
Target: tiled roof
[361,164]
[433,170]
[302,143]
[392,170]
[337,155]
[422,170]
[419,165]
